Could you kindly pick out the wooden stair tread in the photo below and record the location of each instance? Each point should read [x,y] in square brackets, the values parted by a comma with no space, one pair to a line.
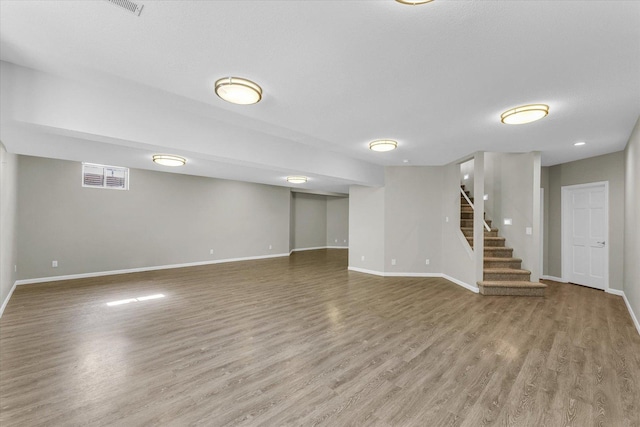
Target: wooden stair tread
[498,259]
[511,284]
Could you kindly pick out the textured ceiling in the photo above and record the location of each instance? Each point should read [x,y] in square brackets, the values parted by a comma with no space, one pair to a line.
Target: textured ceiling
[335,75]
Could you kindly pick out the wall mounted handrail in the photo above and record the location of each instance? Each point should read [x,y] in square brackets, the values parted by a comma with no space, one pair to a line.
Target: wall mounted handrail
[472,207]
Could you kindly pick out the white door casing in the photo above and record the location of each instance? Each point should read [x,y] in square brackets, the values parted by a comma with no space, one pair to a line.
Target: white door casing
[585,234]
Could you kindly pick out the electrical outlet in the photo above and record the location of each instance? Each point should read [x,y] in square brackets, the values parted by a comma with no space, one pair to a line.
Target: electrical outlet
[426,262]
[529,231]
[270,246]
[344,241]
[507,221]
[335,240]
[15,268]
[362,258]
[393,261]
[446,219]
[54,264]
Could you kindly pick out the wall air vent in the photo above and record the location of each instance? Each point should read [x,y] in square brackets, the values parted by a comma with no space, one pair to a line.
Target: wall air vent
[128,5]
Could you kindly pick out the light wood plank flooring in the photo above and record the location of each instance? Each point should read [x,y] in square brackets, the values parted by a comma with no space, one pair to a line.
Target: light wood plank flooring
[302,341]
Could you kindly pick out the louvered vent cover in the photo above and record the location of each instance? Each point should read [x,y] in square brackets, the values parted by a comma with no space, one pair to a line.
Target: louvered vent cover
[132,7]
[101,176]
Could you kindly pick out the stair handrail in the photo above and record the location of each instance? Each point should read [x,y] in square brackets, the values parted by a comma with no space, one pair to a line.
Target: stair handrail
[472,207]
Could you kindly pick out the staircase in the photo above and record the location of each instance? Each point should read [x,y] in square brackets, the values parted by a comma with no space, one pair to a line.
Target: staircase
[503,274]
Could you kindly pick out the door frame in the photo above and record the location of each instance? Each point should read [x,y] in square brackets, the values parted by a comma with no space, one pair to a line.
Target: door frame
[566,223]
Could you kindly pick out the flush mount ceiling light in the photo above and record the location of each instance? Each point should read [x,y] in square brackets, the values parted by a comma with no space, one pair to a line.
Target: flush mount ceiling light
[169,160]
[578,144]
[238,90]
[383,145]
[524,114]
[414,2]
[297,179]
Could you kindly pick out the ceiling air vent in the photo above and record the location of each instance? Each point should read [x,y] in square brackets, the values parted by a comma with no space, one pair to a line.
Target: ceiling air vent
[128,5]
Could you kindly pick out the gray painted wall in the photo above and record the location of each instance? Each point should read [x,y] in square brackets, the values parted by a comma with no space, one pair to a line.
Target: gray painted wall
[632,221]
[163,219]
[544,185]
[608,167]
[366,228]
[513,187]
[467,168]
[413,215]
[338,221]
[458,260]
[309,221]
[8,222]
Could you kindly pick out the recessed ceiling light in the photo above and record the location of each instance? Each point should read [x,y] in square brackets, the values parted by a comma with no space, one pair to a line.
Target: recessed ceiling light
[414,2]
[383,145]
[405,161]
[238,90]
[297,179]
[169,160]
[578,144]
[524,114]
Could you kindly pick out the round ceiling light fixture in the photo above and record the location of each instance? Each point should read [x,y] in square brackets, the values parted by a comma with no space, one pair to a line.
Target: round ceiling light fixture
[524,114]
[578,144]
[383,145]
[297,179]
[238,90]
[414,2]
[169,160]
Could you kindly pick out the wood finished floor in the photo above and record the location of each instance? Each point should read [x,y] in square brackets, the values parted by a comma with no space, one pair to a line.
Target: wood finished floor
[302,341]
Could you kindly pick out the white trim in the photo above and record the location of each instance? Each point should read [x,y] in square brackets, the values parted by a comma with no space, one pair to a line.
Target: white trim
[141,269]
[554,278]
[364,270]
[439,275]
[634,318]
[467,286]
[395,274]
[318,247]
[565,218]
[6,300]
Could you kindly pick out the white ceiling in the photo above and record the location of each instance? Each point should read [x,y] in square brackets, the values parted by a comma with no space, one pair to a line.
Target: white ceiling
[102,85]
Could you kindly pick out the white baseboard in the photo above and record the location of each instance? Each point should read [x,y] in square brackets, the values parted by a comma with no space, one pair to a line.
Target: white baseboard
[318,247]
[364,270]
[395,274]
[634,318]
[467,286]
[554,278]
[6,300]
[141,269]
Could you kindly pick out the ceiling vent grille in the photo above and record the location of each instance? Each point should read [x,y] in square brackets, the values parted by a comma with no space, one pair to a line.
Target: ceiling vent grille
[128,5]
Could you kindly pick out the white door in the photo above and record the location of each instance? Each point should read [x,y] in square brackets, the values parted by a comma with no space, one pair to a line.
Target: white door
[585,230]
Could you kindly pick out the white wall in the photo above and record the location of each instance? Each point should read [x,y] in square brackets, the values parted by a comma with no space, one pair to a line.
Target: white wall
[164,219]
[366,228]
[632,222]
[8,223]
